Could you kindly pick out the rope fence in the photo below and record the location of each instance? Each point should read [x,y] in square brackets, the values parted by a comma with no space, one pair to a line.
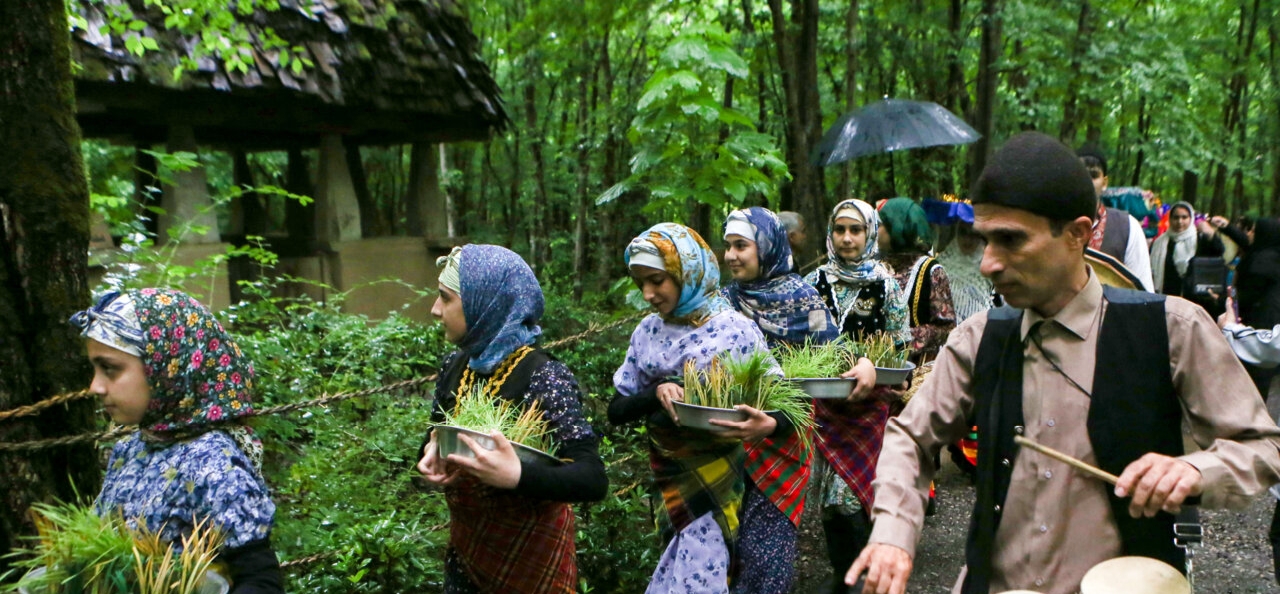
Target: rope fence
[117,432]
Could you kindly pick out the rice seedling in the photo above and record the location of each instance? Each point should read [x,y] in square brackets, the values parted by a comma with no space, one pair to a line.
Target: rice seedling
[751,380]
[815,360]
[81,551]
[883,351]
[477,411]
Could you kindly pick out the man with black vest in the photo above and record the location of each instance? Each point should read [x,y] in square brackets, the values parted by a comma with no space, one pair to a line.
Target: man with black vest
[1104,375]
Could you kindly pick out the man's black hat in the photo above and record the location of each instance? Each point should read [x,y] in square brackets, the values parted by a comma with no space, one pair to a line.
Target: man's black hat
[1039,174]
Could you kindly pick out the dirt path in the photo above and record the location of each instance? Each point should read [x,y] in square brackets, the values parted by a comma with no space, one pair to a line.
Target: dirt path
[1236,558]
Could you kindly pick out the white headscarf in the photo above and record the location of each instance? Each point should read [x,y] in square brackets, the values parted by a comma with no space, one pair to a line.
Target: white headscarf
[1184,248]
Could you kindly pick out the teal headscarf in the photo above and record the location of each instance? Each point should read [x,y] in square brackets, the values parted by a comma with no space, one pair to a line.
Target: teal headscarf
[908,225]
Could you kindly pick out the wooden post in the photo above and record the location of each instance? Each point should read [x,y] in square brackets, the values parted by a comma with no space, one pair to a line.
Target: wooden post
[186,199]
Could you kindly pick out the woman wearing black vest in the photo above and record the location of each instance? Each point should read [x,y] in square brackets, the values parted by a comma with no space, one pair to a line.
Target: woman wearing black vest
[512,529]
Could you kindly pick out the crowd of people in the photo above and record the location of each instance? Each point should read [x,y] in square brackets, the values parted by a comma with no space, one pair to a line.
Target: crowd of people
[1106,374]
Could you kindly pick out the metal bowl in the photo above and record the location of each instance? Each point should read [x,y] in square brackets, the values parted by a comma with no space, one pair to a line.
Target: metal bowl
[447,443]
[212,584]
[826,387]
[892,376]
[699,417]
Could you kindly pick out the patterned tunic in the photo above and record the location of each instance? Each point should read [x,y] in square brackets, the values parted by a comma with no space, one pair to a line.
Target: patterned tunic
[170,486]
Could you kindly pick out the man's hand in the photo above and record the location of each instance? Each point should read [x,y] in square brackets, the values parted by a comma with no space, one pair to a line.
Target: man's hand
[888,568]
[864,371]
[757,426]
[1229,316]
[1156,482]
[499,467]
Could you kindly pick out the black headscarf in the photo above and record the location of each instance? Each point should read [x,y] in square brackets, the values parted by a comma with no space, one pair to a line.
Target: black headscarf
[1258,276]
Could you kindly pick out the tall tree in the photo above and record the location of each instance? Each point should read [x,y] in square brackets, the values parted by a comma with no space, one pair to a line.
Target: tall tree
[984,116]
[797,51]
[44,231]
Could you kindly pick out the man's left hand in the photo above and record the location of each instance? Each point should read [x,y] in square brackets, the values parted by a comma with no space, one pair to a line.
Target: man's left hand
[1156,482]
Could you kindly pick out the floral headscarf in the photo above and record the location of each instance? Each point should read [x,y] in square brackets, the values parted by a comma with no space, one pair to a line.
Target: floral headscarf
[786,308]
[866,268]
[692,264]
[501,301]
[199,378]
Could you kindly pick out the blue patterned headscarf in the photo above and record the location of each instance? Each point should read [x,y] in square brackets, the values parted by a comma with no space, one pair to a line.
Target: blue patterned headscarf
[786,308]
[691,263]
[501,301]
[866,268]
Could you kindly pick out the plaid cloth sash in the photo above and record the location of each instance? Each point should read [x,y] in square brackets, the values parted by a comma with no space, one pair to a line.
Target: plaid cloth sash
[511,544]
[849,436]
[781,470]
[697,473]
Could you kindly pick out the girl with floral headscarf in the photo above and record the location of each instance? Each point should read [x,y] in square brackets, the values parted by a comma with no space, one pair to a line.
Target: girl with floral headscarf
[864,298]
[708,502]
[511,528]
[788,312]
[162,362]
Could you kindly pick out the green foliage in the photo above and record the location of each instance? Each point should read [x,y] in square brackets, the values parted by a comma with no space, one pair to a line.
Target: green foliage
[690,147]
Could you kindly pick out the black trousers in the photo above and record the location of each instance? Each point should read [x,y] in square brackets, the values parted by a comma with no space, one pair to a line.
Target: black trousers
[846,536]
[1274,537]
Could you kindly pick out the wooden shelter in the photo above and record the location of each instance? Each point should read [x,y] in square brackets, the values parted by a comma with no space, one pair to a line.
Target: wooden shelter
[380,72]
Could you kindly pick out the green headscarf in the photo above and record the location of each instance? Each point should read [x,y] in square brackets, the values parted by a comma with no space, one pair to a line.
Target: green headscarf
[908,226]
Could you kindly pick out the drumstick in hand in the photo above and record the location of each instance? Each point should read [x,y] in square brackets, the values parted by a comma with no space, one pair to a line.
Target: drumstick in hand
[1090,470]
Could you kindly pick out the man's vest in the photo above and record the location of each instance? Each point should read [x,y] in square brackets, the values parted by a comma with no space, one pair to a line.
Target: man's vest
[1133,411]
[1115,238]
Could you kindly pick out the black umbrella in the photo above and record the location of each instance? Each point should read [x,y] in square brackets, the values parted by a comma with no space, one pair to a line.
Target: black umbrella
[890,125]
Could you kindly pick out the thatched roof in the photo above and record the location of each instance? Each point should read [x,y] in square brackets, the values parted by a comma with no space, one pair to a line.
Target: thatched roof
[384,71]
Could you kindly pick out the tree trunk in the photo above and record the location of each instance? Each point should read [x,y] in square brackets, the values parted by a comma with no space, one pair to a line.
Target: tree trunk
[370,223]
[299,219]
[1144,126]
[1273,34]
[1070,107]
[845,189]
[984,120]
[44,240]
[1233,109]
[803,113]
[584,175]
[1190,186]
[538,229]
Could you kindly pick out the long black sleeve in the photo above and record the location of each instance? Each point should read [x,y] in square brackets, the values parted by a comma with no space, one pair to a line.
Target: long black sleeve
[254,568]
[1237,235]
[629,409]
[583,479]
[1209,247]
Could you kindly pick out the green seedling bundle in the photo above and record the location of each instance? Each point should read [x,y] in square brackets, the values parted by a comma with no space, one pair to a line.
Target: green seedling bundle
[477,411]
[83,552]
[751,380]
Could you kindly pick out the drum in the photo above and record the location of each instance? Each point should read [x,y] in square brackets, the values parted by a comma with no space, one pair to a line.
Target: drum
[1111,271]
[1134,575]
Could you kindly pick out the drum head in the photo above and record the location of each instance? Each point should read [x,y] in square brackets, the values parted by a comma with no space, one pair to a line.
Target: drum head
[1134,575]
